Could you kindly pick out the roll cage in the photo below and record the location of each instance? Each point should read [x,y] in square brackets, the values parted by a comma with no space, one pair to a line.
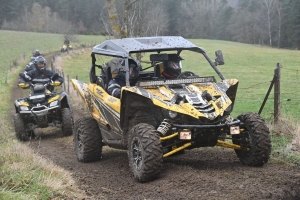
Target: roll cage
[123,48]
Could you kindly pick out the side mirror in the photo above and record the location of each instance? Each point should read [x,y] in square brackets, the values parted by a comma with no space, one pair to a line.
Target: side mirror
[219,58]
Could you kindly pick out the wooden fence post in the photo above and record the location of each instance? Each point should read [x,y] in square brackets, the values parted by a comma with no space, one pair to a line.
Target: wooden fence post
[68,83]
[6,78]
[63,75]
[277,93]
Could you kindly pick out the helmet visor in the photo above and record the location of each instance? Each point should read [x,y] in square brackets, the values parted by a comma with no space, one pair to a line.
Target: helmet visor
[174,65]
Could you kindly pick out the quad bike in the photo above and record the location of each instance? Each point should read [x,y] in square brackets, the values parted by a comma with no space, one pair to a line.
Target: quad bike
[159,117]
[66,48]
[41,109]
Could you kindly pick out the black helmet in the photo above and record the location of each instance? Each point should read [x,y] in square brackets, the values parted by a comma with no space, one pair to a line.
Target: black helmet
[172,68]
[40,63]
[134,69]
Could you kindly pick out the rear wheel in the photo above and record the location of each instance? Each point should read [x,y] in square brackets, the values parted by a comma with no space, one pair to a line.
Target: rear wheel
[67,121]
[144,152]
[87,140]
[256,137]
[21,133]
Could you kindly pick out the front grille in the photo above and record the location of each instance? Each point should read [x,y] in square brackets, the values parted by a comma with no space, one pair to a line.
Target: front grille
[195,100]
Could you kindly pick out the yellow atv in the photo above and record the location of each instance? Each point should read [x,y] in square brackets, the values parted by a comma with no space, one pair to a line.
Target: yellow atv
[159,117]
[41,109]
[66,48]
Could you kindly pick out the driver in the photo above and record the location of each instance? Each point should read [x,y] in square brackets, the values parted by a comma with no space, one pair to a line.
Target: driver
[119,81]
[172,67]
[40,74]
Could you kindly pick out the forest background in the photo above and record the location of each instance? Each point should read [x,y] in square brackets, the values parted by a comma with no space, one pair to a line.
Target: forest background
[275,23]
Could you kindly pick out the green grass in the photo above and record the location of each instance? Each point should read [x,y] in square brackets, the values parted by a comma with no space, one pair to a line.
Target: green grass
[23,174]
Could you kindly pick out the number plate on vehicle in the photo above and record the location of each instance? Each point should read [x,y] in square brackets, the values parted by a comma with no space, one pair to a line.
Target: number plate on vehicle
[185,135]
[234,130]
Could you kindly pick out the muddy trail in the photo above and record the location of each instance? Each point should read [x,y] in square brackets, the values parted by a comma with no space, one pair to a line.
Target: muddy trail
[205,173]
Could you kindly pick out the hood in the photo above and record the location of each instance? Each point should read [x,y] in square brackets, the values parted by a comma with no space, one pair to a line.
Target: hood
[207,100]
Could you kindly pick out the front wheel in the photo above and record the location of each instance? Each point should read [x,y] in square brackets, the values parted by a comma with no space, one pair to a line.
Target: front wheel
[67,121]
[87,140]
[22,133]
[256,137]
[144,152]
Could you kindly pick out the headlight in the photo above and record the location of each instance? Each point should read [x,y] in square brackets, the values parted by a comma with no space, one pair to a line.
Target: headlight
[173,114]
[54,103]
[24,108]
[228,109]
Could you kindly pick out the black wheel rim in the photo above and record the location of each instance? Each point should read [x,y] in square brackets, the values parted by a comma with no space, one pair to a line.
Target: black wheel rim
[137,158]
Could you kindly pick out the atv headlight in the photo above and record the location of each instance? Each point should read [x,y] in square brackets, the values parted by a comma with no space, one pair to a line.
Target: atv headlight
[23,108]
[228,109]
[54,103]
[172,114]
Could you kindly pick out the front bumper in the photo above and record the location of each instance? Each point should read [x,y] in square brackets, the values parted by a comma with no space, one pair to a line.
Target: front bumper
[233,123]
[39,110]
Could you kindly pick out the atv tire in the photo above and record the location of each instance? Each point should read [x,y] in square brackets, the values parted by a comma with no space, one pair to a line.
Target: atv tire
[144,152]
[87,140]
[67,121]
[256,137]
[20,128]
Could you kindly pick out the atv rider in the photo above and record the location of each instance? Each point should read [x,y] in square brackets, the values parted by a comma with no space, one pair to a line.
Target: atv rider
[36,53]
[40,74]
[30,66]
[119,81]
[172,67]
[67,42]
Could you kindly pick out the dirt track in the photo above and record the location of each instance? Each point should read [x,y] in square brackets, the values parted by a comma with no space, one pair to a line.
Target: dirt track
[205,173]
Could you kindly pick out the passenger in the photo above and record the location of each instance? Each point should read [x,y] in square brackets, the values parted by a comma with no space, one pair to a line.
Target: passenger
[172,67]
[119,81]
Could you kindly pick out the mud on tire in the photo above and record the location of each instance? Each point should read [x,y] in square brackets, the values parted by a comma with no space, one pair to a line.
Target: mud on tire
[256,137]
[87,140]
[20,128]
[144,152]
[67,121]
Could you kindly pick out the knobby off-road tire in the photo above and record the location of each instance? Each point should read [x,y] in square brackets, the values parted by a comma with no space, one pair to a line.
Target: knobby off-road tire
[87,140]
[20,128]
[67,121]
[257,137]
[144,152]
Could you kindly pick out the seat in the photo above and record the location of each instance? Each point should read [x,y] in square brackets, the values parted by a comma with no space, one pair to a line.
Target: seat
[108,76]
[158,69]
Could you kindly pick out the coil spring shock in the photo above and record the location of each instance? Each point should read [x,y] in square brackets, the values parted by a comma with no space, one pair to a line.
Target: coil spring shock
[164,127]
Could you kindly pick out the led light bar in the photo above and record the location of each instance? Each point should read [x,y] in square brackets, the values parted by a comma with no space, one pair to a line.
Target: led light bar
[177,81]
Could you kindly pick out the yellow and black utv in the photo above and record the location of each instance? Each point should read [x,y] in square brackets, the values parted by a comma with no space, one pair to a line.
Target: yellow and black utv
[159,116]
